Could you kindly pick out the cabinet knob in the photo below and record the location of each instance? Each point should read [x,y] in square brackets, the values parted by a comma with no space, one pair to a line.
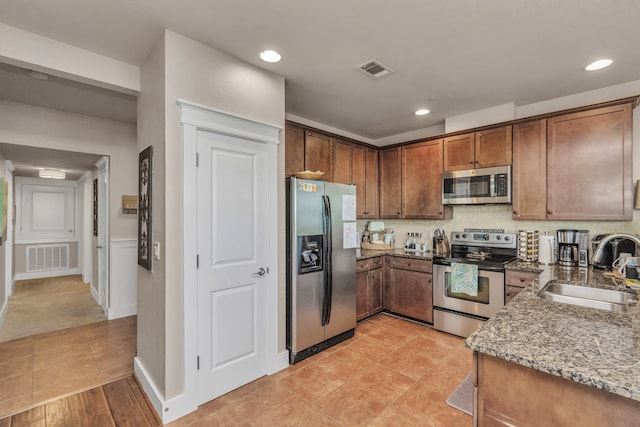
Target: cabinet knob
[522,279]
[549,212]
[398,213]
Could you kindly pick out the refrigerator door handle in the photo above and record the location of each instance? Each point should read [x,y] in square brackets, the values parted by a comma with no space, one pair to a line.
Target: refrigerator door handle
[329,251]
[326,231]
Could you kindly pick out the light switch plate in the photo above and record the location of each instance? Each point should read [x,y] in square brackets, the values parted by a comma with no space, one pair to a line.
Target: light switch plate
[156,250]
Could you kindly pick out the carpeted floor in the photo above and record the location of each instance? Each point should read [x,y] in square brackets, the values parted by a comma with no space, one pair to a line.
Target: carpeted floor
[44,305]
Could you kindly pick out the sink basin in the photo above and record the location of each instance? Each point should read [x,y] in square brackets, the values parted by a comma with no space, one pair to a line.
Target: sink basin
[602,299]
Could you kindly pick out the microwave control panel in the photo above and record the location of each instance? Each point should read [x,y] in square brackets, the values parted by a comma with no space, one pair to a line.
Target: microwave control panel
[502,185]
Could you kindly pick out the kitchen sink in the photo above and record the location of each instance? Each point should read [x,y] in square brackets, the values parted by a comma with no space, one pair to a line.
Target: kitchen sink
[602,299]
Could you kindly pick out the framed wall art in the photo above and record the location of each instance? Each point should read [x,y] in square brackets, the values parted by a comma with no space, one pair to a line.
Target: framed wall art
[145,168]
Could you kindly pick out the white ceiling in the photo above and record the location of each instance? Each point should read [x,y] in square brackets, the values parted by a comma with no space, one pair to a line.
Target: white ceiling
[452,57]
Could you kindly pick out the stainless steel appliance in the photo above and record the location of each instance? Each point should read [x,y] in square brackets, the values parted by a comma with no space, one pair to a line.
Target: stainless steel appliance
[477,186]
[321,265]
[612,250]
[573,248]
[487,251]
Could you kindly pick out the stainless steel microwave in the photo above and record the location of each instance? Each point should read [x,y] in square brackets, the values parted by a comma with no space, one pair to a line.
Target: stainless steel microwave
[477,186]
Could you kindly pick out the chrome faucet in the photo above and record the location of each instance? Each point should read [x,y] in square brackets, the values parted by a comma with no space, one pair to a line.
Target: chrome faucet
[596,258]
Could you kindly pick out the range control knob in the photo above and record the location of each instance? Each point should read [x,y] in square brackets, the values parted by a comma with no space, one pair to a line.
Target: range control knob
[507,238]
[457,236]
[499,237]
[464,236]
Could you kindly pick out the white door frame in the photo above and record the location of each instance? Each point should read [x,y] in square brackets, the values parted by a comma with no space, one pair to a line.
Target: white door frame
[193,118]
[85,250]
[103,234]
[8,252]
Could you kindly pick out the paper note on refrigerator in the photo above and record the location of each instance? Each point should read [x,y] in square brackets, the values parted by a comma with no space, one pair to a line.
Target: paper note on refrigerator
[348,207]
[349,235]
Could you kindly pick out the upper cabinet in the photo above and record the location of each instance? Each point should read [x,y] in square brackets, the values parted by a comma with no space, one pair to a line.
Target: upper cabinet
[530,170]
[341,161]
[390,183]
[422,181]
[318,154]
[293,149]
[364,174]
[482,149]
[589,165]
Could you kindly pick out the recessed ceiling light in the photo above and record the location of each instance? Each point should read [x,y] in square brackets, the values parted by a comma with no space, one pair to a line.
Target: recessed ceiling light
[38,75]
[599,64]
[421,112]
[270,56]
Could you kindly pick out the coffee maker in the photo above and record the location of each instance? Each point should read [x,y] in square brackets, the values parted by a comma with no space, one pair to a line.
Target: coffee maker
[573,248]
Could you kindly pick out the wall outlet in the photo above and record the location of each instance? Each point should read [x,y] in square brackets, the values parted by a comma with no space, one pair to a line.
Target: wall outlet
[156,250]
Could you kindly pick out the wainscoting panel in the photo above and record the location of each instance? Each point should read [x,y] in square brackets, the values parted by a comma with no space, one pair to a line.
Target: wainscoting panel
[123,277]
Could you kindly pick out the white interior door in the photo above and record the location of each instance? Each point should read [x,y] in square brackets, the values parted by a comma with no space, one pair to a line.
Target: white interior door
[232,243]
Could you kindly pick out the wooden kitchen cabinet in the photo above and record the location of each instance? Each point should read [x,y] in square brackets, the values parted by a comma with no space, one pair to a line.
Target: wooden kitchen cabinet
[530,170]
[369,279]
[293,149]
[410,288]
[318,154]
[422,181]
[341,161]
[501,386]
[364,174]
[482,149]
[589,165]
[391,183]
[515,281]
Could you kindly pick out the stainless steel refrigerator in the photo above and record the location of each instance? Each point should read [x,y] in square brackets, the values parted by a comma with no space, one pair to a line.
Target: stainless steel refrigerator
[321,265]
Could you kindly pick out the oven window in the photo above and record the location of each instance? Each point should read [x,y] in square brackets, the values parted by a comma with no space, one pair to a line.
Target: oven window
[483,290]
[463,187]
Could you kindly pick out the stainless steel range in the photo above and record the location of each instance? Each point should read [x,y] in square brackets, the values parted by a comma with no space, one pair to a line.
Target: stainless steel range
[468,285]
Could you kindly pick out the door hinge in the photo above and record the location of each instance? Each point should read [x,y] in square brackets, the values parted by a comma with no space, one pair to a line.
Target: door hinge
[197,261]
[197,159]
[198,363]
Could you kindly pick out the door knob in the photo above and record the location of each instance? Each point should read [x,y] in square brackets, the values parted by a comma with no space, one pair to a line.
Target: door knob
[99,246]
[260,272]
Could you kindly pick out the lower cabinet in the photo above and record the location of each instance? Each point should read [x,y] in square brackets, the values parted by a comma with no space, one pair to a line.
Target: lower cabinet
[515,281]
[369,278]
[410,288]
[404,286]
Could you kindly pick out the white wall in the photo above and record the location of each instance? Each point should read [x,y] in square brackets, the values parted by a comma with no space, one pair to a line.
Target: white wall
[41,127]
[200,74]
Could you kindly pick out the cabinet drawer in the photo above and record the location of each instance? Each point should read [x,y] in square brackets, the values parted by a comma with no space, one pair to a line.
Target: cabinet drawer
[411,264]
[370,264]
[519,278]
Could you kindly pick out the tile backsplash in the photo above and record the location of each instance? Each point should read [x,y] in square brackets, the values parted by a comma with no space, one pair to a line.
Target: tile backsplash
[496,217]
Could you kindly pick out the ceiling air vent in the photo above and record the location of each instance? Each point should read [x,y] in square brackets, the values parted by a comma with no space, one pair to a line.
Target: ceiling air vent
[375,69]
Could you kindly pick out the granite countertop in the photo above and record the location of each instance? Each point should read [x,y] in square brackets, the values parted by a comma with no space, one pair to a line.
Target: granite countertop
[399,252]
[594,347]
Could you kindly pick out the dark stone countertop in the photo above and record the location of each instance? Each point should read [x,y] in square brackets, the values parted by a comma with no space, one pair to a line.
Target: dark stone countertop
[594,347]
[366,254]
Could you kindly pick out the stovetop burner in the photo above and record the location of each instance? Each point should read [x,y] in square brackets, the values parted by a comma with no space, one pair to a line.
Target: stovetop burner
[490,251]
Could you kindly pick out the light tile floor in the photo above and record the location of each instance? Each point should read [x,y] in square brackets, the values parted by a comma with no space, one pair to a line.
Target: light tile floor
[39,368]
[392,373]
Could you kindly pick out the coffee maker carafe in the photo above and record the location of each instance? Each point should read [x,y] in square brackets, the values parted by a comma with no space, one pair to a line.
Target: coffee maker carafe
[573,247]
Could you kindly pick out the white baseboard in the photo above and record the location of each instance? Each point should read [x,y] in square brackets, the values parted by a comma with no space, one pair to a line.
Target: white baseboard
[3,311]
[282,362]
[168,410]
[94,294]
[43,274]
[117,313]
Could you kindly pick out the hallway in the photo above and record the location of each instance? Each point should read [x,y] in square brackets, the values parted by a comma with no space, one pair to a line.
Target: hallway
[45,305]
[44,367]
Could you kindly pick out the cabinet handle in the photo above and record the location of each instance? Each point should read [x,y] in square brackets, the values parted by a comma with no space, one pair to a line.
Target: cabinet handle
[549,212]
[398,213]
[522,279]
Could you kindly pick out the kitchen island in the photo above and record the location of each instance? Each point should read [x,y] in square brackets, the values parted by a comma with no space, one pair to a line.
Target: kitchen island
[539,362]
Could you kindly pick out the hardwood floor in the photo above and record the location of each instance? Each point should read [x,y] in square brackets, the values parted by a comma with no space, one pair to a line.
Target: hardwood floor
[392,373]
[120,403]
[39,368]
